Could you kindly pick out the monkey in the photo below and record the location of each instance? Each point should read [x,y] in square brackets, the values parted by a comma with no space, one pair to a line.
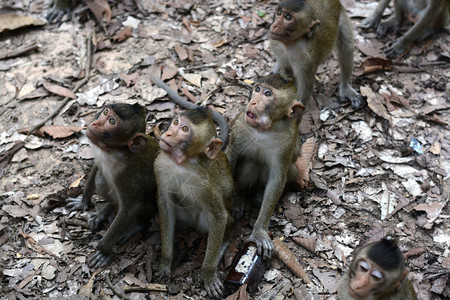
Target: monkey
[264,143]
[217,117]
[377,272]
[123,174]
[195,188]
[302,36]
[100,9]
[433,15]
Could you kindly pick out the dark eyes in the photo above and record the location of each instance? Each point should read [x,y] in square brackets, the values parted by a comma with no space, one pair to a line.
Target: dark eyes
[257,89]
[279,12]
[112,121]
[175,122]
[288,17]
[185,128]
[377,276]
[106,111]
[268,93]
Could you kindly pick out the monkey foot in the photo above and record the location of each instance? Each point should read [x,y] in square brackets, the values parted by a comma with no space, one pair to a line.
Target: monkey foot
[370,22]
[395,49]
[56,15]
[164,269]
[98,260]
[215,289]
[76,204]
[237,211]
[96,218]
[347,92]
[263,243]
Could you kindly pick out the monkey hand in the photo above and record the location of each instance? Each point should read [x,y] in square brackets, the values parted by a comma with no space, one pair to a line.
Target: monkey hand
[397,48]
[98,217]
[57,13]
[386,26]
[77,203]
[99,259]
[347,92]
[164,268]
[370,22]
[263,242]
[214,288]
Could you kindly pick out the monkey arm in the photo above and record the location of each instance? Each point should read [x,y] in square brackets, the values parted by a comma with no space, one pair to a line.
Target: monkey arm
[167,223]
[272,194]
[375,18]
[433,9]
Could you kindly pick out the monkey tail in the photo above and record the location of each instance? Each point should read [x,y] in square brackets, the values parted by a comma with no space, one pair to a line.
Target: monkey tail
[177,99]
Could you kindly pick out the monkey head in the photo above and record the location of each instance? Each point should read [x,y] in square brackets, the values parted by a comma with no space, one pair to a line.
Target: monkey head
[273,98]
[190,134]
[117,126]
[378,269]
[293,20]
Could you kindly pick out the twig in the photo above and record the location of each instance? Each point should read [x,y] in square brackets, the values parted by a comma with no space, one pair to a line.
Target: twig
[75,89]
[19,51]
[146,288]
[213,65]
[34,245]
[115,291]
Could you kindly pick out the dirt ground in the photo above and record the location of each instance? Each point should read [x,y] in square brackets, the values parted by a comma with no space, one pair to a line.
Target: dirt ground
[365,179]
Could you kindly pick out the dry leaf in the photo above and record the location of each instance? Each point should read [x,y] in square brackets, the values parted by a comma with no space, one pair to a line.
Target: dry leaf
[283,253]
[181,52]
[195,79]
[305,161]
[435,148]
[129,79]
[168,73]
[433,211]
[373,64]
[76,183]
[100,9]
[240,294]
[308,244]
[59,90]
[13,21]
[55,131]
[123,35]
[375,103]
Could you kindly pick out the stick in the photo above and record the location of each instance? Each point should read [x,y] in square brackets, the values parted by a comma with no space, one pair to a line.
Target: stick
[115,291]
[146,288]
[19,51]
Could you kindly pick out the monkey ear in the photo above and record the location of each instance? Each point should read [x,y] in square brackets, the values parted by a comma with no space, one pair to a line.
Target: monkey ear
[312,29]
[402,278]
[295,110]
[138,142]
[213,148]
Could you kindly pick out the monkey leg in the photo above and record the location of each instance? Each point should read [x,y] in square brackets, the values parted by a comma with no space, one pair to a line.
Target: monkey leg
[345,51]
[374,19]
[422,29]
[96,218]
[167,223]
[60,8]
[123,225]
[214,287]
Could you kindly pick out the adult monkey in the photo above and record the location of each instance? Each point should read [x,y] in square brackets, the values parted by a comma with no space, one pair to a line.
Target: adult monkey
[195,189]
[122,174]
[264,143]
[377,272]
[302,36]
[433,15]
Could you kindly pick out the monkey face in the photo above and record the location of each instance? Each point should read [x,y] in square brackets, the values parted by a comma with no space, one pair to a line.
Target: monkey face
[366,279]
[289,26]
[258,109]
[176,139]
[106,130]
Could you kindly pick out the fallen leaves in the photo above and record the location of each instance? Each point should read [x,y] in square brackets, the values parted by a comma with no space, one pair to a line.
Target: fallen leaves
[56,131]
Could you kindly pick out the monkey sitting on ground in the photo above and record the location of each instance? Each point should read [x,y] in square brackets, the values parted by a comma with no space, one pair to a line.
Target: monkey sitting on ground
[432,16]
[263,148]
[302,36]
[123,174]
[195,189]
[377,272]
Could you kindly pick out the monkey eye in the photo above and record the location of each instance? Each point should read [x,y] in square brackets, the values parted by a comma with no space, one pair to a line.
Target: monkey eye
[279,12]
[377,275]
[257,88]
[112,121]
[268,93]
[185,128]
[288,17]
[364,266]
[175,122]
[106,111]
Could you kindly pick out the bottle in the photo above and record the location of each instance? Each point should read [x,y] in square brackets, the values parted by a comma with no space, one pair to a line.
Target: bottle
[247,268]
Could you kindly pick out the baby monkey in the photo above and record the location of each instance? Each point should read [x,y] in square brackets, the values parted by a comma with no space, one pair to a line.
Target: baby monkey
[302,36]
[195,190]
[122,174]
[264,143]
[377,272]
[432,15]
